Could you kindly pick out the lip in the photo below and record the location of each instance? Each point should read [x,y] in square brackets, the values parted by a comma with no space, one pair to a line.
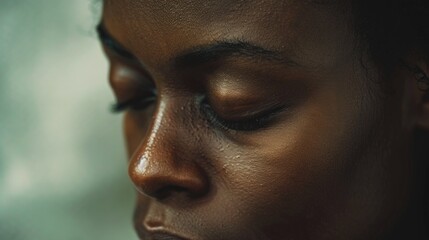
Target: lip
[161,235]
[164,236]
[155,227]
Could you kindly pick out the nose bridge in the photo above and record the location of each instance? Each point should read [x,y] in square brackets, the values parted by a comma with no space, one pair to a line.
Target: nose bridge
[140,160]
[158,167]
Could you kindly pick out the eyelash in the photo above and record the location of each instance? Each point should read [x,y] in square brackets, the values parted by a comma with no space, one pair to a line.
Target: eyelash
[135,104]
[252,123]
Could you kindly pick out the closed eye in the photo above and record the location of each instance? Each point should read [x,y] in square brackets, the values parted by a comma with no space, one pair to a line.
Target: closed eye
[249,123]
[135,104]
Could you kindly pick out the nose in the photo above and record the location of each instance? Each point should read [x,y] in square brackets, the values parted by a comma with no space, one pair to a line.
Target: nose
[163,166]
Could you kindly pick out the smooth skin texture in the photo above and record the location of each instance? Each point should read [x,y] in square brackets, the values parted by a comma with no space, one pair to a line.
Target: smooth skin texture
[257,120]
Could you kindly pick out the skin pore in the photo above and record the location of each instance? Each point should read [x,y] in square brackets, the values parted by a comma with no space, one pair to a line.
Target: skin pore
[257,120]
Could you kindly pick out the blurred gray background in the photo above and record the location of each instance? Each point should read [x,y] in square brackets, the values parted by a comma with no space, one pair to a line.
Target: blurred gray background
[62,160]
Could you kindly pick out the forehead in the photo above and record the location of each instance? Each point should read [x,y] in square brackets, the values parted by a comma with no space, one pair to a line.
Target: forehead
[189,14]
[209,10]
[204,10]
[153,29]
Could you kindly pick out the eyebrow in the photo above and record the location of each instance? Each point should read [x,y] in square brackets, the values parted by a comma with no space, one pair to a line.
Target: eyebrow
[112,43]
[206,53]
[230,48]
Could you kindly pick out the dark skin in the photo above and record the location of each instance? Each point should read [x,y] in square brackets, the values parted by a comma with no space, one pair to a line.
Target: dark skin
[257,120]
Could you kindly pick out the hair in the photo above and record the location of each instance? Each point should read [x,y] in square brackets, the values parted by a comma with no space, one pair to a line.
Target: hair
[391,31]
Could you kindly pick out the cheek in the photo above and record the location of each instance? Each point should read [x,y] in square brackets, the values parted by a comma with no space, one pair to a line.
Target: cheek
[301,168]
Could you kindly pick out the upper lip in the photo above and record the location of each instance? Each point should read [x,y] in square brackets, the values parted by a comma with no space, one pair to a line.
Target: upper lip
[159,233]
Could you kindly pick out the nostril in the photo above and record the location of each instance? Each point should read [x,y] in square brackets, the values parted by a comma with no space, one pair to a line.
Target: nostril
[167,191]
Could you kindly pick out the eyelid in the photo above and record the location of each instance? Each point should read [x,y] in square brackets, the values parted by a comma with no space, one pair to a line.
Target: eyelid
[136,103]
[254,122]
[122,106]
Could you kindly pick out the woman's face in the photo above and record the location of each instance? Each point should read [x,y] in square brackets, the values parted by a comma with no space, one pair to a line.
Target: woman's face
[254,120]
